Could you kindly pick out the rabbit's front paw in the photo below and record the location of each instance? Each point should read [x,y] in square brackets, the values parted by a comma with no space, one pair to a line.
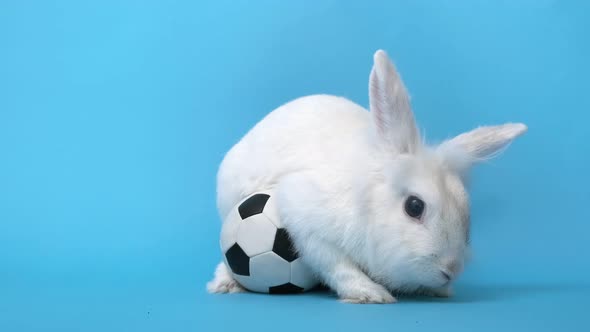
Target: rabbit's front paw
[224,286]
[366,293]
[223,282]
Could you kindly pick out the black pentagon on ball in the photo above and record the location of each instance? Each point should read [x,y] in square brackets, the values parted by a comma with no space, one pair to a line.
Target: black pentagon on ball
[283,246]
[253,205]
[238,261]
[287,288]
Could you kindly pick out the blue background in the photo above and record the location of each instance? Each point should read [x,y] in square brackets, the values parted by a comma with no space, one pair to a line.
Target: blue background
[114,116]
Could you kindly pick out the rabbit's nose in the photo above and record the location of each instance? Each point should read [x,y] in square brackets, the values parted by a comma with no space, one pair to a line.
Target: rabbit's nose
[454,267]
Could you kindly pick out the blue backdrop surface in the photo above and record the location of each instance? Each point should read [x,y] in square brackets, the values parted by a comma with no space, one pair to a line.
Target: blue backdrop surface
[114,116]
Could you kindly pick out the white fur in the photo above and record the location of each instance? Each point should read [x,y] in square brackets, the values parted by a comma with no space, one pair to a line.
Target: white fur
[223,282]
[342,175]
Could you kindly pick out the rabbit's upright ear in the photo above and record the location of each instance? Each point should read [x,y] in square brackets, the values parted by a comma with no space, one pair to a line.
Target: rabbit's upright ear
[390,107]
[480,144]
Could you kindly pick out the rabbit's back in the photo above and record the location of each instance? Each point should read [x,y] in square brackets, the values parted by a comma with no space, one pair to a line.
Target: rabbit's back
[318,132]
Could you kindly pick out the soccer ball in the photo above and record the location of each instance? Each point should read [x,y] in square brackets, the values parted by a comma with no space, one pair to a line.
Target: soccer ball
[258,250]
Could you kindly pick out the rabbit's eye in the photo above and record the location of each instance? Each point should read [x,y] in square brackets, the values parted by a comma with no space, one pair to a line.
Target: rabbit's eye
[414,207]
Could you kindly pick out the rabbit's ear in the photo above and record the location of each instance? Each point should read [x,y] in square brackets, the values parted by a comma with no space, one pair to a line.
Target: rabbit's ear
[480,144]
[390,106]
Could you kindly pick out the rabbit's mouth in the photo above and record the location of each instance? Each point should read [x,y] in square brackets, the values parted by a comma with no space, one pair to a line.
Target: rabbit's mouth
[446,276]
[448,273]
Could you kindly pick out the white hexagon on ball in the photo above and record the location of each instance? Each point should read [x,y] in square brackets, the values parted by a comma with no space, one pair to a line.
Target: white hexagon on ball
[256,235]
[229,230]
[270,268]
[252,284]
[271,211]
[301,275]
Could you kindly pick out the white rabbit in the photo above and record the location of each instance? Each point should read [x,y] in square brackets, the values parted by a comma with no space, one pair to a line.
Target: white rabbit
[370,208]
